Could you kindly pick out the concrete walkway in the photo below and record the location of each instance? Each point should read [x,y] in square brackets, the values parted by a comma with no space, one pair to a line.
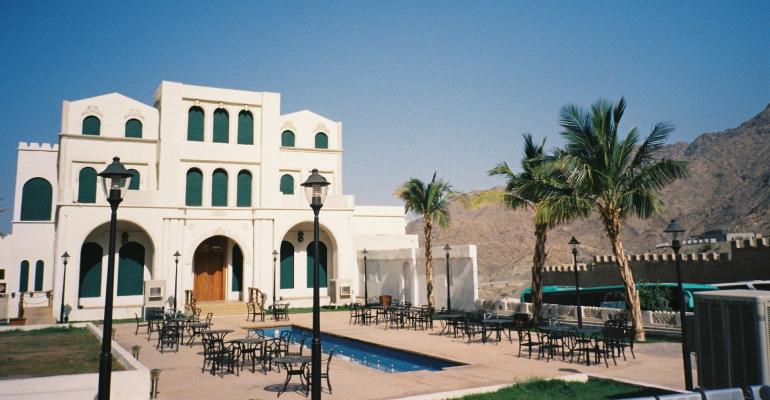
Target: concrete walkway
[487,364]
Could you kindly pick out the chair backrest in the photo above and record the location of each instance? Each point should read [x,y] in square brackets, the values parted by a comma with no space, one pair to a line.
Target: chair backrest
[209,316]
[137,318]
[197,313]
[723,394]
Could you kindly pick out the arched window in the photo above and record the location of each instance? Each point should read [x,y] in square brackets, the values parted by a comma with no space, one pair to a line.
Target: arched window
[321,141]
[237,278]
[39,270]
[221,126]
[287,265]
[287,184]
[91,125]
[134,180]
[87,185]
[219,188]
[245,127]
[194,187]
[244,189]
[24,277]
[90,270]
[287,139]
[131,269]
[134,128]
[36,198]
[195,124]
[321,265]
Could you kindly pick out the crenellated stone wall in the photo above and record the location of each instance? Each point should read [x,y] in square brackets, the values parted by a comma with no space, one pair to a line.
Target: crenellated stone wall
[746,260]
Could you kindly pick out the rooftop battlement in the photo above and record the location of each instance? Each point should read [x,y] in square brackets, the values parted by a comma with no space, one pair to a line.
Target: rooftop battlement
[34,146]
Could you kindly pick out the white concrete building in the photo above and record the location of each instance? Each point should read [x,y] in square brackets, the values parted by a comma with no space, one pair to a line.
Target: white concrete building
[216,178]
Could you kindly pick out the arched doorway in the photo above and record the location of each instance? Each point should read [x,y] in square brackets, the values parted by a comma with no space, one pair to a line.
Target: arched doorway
[209,268]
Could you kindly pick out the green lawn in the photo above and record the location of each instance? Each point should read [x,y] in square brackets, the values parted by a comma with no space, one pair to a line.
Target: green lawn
[594,389]
[50,351]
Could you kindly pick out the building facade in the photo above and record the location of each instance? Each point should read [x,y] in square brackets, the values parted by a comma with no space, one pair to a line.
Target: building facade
[216,177]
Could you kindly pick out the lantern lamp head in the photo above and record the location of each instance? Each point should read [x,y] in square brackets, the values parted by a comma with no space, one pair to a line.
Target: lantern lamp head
[114,177]
[674,229]
[574,243]
[316,187]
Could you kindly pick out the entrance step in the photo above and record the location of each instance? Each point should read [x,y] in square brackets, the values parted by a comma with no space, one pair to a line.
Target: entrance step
[222,308]
[39,316]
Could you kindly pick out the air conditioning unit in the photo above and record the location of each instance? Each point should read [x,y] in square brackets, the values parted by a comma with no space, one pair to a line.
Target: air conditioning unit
[732,334]
[339,290]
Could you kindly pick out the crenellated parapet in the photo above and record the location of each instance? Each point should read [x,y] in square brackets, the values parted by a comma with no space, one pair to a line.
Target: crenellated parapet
[749,243]
[565,268]
[34,146]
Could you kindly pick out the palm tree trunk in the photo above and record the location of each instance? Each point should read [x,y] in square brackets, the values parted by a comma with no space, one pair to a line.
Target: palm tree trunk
[538,261]
[632,295]
[429,263]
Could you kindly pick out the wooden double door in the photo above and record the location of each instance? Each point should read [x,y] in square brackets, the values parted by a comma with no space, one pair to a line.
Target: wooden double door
[209,267]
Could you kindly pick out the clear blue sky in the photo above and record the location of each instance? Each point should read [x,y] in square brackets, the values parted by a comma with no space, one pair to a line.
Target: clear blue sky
[419,86]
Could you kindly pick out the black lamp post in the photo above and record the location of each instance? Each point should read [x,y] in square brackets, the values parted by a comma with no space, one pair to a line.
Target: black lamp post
[575,246]
[114,179]
[65,259]
[275,259]
[448,280]
[676,231]
[315,190]
[176,273]
[366,280]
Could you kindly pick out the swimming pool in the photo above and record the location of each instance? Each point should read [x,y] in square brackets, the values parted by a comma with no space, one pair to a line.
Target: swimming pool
[370,355]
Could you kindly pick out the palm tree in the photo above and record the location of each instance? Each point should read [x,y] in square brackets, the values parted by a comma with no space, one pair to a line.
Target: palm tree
[431,201]
[528,189]
[614,178]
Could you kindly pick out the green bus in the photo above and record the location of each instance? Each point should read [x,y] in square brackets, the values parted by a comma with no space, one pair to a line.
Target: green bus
[613,295]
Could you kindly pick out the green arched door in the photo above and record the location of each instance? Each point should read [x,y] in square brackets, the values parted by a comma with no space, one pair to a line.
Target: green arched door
[321,265]
[131,269]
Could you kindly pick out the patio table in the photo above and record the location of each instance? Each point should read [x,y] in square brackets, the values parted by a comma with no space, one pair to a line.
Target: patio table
[290,365]
[449,320]
[197,329]
[563,329]
[497,325]
[218,334]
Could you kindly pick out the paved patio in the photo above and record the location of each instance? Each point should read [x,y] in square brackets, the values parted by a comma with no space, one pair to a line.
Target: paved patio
[487,364]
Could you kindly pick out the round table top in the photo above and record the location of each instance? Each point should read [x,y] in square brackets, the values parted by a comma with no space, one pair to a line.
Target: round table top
[251,340]
[215,331]
[293,359]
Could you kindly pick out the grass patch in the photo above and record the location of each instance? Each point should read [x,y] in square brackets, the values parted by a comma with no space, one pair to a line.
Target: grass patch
[50,351]
[594,389]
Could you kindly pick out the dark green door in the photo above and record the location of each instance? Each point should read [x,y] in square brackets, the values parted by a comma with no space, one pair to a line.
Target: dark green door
[321,265]
[90,270]
[131,269]
[287,265]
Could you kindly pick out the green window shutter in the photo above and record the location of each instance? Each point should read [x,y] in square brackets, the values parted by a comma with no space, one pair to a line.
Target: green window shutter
[245,127]
[221,126]
[287,184]
[91,126]
[287,265]
[321,265]
[87,185]
[237,279]
[244,189]
[321,141]
[287,139]
[24,276]
[90,270]
[194,188]
[133,128]
[219,188]
[36,198]
[39,270]
[133,183]
[195,124]
[130,269]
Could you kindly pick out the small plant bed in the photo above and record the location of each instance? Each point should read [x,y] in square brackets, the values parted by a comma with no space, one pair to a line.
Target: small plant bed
[594,389]
[50,351]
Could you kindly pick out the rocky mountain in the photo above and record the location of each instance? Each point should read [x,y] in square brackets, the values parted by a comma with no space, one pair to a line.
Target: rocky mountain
[728,189]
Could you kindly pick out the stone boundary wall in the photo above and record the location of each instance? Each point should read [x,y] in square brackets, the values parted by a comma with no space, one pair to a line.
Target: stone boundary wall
[595,315]
[131,384]
[746,260]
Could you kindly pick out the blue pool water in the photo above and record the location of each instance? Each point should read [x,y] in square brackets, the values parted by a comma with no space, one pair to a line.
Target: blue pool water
[367,354]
